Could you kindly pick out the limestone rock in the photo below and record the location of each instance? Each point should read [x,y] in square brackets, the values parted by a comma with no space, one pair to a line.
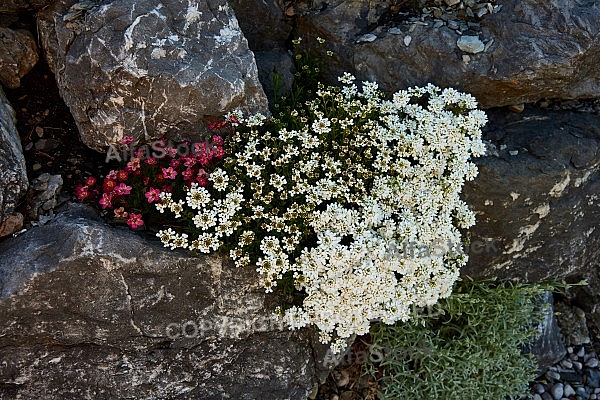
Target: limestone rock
[149,68]
[90,311]
[533,50]
[538,210]
[18,54]
[13,175]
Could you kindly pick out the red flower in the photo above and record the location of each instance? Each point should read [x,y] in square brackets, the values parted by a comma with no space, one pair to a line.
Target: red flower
[82,192]
[169,173]
[122,175]
[106,200]
[90,181]
[152,195]
[121,213]
[109,185]
[127,140]
[135,221]
[151,161]
[188,174]
[122,189]
[133,165]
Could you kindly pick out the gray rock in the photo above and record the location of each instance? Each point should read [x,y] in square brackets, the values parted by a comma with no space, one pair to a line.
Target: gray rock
[46,189]
[470,44]
[90,311]
[271,63]
[527,61]
[149,68]
[592,378]
[572,324]
[13,175]
[18,54]
[557,391]
[549,347]
[263,24]
[569,391]
[537,212]
[537,397]
[592,363]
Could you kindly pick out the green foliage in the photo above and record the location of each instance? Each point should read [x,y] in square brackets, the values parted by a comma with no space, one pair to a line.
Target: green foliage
[470,350]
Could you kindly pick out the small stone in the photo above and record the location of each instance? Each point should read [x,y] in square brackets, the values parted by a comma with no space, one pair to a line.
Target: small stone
[466,58]
[581,352]
[453,24]
[11,224]
[566,364]
[557,391]
[341,378]
[539,388]
[395,31]
[513,152]
[369,37]
[547,396]
[39,131]
[568,391]
[481,12]
[537,397]
[407,40]
[470,44]
[518,108]
[592,363]
[570,349]
[553,375]
[36,167]
[577,365]
[451,2]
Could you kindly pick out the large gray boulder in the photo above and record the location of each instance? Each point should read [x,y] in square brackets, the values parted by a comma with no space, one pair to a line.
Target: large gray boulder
[537,198]
[148,68]
[13,173]
[532,50]
[91,311]
[18,54]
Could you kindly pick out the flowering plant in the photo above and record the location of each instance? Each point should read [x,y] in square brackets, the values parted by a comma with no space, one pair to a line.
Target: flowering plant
[130,192]
[327,192]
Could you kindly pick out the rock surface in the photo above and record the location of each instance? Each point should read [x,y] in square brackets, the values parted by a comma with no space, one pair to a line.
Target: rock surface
[18,54]
[13,175]
[536,198]
[525,57]
[90,311]
[148,68]
[16,6]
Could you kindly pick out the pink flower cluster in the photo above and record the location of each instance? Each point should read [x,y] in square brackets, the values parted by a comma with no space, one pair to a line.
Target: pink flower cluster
[141,181]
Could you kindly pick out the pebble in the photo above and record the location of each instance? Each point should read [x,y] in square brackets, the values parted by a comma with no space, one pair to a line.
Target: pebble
[513,152]
[470,44]
[466,58]
[539,388]
[557,391]
[451,2]
[395,31]
[537,397]
[581,352]
[369,37]
[577,365]
[36,166]
[569,391]
[566,364]
[553,375]
[592,363]
[453,24]
[407,40]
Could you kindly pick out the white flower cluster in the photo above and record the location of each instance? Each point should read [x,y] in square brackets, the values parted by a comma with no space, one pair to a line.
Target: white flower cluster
[330,199]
